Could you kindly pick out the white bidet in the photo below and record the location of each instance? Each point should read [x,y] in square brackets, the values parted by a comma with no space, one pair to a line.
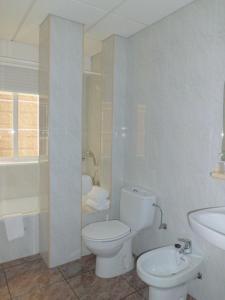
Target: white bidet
[167,272]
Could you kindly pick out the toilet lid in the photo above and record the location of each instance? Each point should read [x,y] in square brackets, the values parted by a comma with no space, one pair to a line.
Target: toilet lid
[105,231]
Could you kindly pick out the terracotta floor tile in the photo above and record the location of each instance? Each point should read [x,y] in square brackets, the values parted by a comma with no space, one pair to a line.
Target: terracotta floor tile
[56,291]
[88,262]
[20,261]
[190,298]
[133,280]
[33,294]
[88,286]
[134,296]
[4,292]
[144,293]
[23,278]
[85,264]
[71,269]
[19,270]
[30,279]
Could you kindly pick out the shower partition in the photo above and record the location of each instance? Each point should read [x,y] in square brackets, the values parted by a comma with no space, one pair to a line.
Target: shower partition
[61,58]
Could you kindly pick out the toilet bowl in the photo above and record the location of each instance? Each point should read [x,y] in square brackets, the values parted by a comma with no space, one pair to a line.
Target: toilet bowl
[168,272]
[111,241]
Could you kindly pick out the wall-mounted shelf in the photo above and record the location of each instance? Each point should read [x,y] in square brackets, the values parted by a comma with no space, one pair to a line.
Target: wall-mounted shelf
[89,73]
[218,175]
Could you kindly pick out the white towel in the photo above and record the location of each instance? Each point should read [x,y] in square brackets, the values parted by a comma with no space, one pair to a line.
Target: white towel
[97,206]
[14,226]
[98,193]
[86,184]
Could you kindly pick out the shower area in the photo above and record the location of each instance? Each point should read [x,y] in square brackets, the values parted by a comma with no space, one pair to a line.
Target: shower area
[96,145]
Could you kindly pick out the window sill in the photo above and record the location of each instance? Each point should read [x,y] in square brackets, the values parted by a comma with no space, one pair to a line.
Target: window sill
[11,163]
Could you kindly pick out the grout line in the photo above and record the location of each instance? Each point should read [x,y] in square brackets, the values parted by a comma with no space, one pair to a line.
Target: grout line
[67,281]
[23,20]
[133,293]
[138,291]
[21,261]
[7,284]
[105,15]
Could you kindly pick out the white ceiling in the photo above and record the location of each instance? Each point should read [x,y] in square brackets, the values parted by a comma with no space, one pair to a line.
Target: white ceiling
[19,19]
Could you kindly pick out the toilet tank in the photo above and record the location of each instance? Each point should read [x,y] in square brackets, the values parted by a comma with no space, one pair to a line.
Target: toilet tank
[136,207]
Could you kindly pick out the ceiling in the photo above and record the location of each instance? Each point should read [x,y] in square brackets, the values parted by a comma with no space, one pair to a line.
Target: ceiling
[19,19]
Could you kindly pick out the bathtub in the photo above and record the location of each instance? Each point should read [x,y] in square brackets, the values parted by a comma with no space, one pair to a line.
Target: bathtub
[27,245]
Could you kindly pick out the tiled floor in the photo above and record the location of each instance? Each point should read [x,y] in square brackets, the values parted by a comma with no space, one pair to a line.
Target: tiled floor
[30,279]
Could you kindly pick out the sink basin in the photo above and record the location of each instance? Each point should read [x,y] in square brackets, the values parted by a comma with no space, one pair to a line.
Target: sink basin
[209,223]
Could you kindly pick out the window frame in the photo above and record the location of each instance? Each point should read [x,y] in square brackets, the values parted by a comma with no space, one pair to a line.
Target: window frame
[15,131]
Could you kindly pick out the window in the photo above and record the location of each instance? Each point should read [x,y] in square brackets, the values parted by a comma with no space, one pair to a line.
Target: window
[19,126]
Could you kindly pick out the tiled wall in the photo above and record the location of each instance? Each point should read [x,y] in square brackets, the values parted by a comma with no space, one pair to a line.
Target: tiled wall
[92,112]
[174,108]
[106,118]
[18,181]
[119,127]
[61,65]
[114,66]
[24,246]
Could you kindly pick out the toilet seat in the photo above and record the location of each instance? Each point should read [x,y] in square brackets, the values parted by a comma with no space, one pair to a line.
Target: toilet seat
[105,231]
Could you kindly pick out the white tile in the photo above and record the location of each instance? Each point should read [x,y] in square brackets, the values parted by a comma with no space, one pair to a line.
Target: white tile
[68,9]
[177,70]
[149,11]
[64,71]
[11,13]
[114,24]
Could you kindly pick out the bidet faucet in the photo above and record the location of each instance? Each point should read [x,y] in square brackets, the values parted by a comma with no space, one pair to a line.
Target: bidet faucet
[186,248]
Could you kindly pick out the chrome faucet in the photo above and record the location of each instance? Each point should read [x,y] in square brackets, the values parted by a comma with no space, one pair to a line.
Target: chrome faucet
[185,248]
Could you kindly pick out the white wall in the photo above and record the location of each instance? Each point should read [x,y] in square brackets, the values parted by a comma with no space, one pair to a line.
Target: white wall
[174,117]
[61,72]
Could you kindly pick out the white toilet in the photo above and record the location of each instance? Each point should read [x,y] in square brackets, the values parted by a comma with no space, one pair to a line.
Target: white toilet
[111,241]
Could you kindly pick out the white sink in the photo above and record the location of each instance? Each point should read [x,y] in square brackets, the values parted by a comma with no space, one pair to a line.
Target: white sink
[209,223]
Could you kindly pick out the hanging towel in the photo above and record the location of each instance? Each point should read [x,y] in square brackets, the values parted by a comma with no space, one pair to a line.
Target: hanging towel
[98,206]
[86,184]
[14,226]
[98,194]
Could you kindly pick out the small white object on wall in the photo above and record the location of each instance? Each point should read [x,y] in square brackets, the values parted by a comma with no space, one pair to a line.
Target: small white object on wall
[14,226]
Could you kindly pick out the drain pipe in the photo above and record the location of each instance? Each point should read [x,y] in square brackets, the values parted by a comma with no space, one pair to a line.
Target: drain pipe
[162,225]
